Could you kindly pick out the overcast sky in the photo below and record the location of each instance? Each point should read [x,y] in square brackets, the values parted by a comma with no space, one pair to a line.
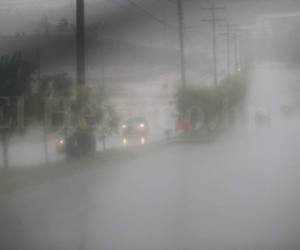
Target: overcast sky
[23,15]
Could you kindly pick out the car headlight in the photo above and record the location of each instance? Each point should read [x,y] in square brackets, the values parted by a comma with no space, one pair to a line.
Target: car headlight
[142,125]
[124,126]
[60,141]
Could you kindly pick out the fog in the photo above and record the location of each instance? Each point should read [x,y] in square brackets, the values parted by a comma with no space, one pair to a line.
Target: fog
[170,128]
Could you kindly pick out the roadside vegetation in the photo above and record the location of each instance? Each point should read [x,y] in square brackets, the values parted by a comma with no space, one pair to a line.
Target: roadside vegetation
[15,178]
[212,109]
[50,102]
[16,76]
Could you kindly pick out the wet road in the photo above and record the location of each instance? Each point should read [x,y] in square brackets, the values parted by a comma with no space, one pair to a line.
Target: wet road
[239,193]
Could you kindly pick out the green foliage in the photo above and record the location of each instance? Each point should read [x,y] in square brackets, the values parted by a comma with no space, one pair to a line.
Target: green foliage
[54,90]
[15,78]
[63,25]
[15,75]
[91,109]
[233,89]
[79,107]
[212,101]
[56,85]
[110,121]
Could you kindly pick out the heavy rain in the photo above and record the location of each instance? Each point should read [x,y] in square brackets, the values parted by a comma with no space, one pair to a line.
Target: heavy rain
[149,124]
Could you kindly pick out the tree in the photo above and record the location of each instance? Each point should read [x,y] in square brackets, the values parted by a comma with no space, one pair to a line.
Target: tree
[15,79]
[211,103]
[45,26]
[53,90]
[91,110]
[63,26]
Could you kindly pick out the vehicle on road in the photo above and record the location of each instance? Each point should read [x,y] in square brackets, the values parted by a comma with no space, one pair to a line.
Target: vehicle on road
[60,145]
[135,131]
[287,111]
[75,142]
[262,118]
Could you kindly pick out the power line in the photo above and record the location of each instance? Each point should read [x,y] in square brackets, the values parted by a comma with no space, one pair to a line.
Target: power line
[181,41]
[146,12]
[214,20]
[180,18]
[228,34]
[80,41]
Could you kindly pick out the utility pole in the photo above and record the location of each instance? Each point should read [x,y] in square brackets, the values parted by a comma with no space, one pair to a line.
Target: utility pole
[45,121]
[213,21]
[227,34]
[228,48]
[213,14]
[236,60]
[80,42]
[236,34]
[181,41]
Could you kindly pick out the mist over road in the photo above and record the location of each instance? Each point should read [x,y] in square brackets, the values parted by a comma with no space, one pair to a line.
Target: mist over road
[238,193]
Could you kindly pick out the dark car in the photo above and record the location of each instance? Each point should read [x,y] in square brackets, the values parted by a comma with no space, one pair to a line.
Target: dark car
[74,142]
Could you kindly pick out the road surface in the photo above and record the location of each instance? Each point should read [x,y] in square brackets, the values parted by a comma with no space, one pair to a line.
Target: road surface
[239,193]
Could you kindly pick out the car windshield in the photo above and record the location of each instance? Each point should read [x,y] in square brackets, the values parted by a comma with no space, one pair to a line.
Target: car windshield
[136,120]
[149,124]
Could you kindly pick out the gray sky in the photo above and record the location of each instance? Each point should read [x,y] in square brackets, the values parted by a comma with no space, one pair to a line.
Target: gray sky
[23,15]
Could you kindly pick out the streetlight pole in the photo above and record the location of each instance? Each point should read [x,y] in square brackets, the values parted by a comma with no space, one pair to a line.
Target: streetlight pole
[80,42]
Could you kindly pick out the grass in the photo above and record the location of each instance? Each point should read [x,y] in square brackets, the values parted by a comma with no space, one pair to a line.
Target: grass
[13,179]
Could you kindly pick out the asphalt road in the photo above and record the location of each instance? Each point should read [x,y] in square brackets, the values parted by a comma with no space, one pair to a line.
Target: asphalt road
[241,192]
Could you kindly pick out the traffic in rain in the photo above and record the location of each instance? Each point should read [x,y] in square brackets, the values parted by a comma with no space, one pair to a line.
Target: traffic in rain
[149,125]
